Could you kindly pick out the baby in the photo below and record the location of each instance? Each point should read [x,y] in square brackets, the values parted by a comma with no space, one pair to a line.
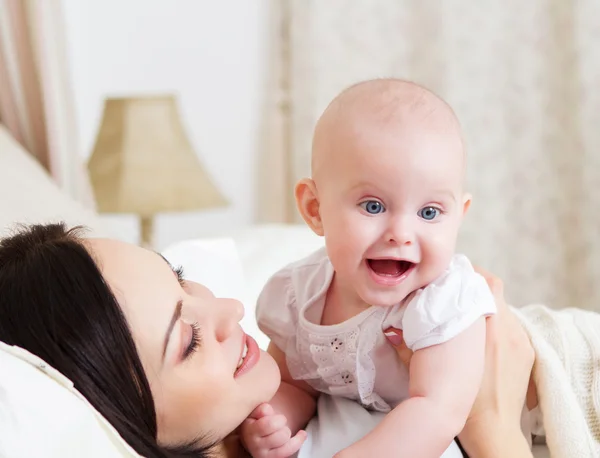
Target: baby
[386,193]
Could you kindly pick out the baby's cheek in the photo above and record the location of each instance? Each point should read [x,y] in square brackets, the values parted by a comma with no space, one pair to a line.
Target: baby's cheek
[440,250]
[337,253]
[443,237]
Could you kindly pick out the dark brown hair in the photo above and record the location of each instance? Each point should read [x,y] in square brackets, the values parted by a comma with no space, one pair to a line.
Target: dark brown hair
[55,303]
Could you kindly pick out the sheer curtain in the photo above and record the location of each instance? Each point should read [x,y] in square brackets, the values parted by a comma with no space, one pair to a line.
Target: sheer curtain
[35,97]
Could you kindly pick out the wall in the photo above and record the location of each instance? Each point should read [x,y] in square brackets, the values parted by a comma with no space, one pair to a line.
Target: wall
[213,54]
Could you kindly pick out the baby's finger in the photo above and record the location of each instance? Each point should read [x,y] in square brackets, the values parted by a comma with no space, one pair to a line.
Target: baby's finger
[262,410]
[290,447]
[276,439]
[247,424]
[270,424]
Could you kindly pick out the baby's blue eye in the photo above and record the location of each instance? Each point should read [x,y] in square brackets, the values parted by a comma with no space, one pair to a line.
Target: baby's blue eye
[372,207]
[429,213]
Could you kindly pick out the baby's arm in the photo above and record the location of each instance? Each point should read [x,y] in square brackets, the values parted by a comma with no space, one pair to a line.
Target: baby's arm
[273,430]
[444,381]
[295,399]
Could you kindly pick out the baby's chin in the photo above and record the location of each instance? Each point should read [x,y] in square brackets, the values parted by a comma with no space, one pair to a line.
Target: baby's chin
[383,299]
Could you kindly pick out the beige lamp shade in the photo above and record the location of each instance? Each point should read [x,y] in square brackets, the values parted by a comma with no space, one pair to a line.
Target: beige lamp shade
[143,163]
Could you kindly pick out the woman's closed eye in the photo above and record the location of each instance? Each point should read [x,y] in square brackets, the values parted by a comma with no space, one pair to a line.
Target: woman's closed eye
[179,273]
[195,340]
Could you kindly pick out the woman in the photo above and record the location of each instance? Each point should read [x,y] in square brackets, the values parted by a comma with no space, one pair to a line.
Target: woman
[162,359]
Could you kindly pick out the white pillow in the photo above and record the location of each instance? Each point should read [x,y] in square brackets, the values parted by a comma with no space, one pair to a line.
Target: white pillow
[41,414]
[215,263]
[28,194]
[263,250]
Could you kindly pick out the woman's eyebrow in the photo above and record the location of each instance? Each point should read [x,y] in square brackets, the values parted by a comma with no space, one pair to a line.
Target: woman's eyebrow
[165,259]
[174,318]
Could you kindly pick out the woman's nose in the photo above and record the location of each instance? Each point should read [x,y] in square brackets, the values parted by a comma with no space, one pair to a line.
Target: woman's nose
[228,314]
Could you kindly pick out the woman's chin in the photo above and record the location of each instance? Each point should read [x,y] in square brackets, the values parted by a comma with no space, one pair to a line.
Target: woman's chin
[262,382]
[270,375]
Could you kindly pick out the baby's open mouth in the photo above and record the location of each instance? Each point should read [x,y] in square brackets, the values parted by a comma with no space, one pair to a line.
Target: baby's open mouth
[389,267]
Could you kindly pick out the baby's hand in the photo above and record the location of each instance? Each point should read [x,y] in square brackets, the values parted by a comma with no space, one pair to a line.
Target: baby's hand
[266,435]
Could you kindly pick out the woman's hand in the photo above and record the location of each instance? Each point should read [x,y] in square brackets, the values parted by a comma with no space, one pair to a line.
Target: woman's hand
[509,360]
[496,414]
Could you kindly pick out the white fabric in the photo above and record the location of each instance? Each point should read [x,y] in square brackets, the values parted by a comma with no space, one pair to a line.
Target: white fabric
[215,263]
[444,308]
[28,194]
[36,94]
[42,415]
[263,250]
[567,376]
[353,359]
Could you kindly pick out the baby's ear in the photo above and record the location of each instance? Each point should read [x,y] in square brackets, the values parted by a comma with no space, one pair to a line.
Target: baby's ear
[307,201]
[466,203]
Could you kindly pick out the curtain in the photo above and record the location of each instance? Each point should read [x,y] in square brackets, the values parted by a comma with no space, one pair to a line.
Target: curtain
[524,80]
[35,97]
[275,173]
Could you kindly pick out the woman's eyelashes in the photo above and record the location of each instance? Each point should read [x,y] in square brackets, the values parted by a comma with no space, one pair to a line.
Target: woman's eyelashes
[195,341]
[180,275]
[196,337]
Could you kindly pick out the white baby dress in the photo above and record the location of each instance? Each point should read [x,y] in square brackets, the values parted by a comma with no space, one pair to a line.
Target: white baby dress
[354,359]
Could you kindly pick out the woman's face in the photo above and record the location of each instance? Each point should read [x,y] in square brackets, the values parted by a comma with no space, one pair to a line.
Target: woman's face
[190,344]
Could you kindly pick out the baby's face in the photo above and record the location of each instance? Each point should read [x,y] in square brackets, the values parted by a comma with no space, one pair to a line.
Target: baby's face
[391,203]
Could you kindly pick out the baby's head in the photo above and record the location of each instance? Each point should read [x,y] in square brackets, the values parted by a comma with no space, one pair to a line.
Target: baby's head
[386,191]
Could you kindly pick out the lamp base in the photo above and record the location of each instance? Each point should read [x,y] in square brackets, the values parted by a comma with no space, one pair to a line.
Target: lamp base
[146,231]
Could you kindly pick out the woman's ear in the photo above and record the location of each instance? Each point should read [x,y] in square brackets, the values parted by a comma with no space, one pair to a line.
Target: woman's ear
[307,201]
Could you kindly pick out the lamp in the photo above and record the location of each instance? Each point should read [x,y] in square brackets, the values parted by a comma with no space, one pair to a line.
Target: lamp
[143,163]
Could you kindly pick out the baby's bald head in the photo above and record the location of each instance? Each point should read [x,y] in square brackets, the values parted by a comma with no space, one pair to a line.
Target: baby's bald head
[381,105]
[388,172]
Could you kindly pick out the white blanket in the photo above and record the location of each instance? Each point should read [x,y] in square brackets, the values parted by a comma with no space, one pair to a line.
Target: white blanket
[567,376]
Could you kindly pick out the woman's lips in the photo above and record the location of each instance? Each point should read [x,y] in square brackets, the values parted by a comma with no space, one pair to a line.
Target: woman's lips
[251,358]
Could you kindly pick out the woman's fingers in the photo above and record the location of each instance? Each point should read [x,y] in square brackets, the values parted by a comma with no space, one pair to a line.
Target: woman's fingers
[497,288]
[495,284]
[394,336]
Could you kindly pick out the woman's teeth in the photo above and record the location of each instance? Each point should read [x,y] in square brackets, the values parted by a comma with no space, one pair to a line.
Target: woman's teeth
[244,352]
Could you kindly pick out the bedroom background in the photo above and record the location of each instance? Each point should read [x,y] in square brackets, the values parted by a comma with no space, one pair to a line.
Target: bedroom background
[252,77]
